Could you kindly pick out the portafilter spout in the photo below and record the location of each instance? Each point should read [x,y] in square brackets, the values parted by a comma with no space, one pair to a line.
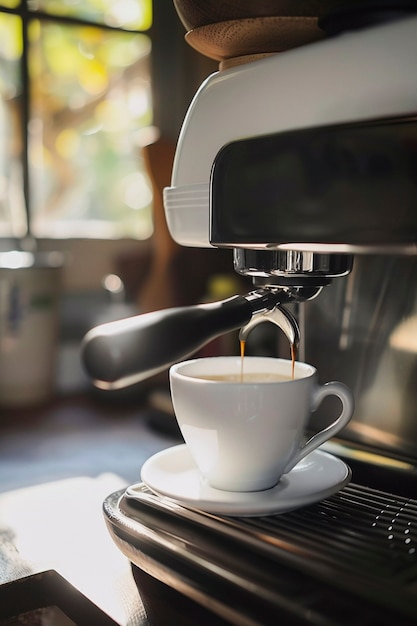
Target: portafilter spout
[278,316]
[121,353]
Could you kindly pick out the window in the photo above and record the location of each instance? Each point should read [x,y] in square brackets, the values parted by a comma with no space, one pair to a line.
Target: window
[75,109]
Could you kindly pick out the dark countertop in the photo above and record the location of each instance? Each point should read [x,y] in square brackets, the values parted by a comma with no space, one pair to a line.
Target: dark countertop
[57,464]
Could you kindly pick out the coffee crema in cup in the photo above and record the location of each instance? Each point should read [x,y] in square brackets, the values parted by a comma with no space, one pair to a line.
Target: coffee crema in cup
[251,377]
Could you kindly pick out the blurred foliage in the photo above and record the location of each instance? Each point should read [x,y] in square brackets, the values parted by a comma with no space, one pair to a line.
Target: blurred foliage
[90,98]
[11,45]
[10,4]
[128,14]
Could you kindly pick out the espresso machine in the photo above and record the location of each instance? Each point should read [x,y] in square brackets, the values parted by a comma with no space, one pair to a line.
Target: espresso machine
[305,165]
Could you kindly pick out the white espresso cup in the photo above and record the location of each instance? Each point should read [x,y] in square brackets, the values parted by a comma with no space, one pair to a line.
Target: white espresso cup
[245,429]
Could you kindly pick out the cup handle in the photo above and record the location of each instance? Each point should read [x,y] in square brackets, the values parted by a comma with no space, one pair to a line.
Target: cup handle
[328,389]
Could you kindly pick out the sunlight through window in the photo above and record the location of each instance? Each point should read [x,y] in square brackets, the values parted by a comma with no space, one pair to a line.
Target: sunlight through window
[85,89]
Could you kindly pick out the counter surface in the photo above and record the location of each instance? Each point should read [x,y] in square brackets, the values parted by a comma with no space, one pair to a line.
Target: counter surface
[57,465]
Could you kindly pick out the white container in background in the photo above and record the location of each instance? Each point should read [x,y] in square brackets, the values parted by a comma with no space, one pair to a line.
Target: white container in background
[30,285]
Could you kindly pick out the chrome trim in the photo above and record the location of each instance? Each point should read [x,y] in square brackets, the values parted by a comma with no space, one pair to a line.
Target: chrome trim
[291,264]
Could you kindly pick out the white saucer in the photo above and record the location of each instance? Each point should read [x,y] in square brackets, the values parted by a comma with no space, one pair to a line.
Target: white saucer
[172,473]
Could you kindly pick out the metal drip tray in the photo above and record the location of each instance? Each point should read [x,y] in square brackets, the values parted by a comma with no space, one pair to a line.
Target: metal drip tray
[350,559]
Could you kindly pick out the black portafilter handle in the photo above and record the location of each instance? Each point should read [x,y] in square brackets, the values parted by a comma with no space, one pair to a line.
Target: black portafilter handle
[121,353]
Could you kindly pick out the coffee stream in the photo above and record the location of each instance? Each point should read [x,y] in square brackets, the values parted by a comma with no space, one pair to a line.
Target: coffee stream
[293,359]
[242,355]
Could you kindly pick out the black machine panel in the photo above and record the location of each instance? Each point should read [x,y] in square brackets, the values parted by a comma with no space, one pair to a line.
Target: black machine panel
[353,184]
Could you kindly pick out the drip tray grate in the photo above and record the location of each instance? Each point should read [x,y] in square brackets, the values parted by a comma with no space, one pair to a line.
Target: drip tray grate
[350,559]
[367,530]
